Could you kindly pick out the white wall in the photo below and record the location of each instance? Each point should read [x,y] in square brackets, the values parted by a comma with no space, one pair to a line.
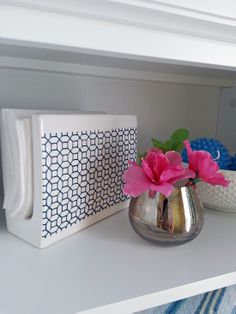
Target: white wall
[160,107]
[227,117]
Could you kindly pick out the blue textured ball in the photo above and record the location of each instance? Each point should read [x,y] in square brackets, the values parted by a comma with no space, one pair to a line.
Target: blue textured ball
[232,165]
[214,147]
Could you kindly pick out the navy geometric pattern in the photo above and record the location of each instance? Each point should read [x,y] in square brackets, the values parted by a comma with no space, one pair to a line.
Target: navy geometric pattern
[82,174]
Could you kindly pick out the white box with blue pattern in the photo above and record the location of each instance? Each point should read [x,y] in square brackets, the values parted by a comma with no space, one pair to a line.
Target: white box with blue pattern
[74,177]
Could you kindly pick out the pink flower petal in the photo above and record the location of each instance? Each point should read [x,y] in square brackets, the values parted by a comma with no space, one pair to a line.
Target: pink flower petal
[193,162]
[218,179]
[171,173]
[188,147]
[174,158]
[208,167]
[136,182]
[155,150]
[187,174]
[164,188]
[147,170]
[161,163]
[154,164]
[204,166]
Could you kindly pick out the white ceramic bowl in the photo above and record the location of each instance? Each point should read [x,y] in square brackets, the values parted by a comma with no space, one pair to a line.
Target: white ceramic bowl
[218,197]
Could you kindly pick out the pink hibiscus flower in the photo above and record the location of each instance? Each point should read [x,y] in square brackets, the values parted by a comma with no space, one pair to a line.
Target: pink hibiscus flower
[204,166]
[158,172]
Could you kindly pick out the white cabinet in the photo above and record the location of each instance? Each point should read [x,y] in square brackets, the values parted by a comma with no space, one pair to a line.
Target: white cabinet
[164,62]
[148,30]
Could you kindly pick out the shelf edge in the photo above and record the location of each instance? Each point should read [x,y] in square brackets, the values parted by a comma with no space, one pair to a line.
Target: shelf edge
[142,33]
[159,298]
[108,72]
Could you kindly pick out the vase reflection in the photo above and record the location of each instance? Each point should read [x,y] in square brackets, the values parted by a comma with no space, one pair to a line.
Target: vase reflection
[173,220]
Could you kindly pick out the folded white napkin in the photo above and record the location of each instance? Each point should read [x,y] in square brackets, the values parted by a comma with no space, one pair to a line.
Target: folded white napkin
[17,156]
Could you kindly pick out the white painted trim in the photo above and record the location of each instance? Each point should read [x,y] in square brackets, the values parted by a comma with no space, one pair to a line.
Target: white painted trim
[157,15]
[130,11]
[162,297]
[108,72]
[139,29]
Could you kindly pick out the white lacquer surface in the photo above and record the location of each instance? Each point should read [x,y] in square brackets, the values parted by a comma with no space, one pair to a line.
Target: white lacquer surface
[142,30]
[107,268]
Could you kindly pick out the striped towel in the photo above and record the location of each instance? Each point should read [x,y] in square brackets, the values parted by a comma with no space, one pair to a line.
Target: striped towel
[221,301]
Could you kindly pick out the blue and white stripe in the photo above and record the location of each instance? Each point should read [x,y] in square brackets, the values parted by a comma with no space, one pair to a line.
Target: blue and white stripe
[221,301]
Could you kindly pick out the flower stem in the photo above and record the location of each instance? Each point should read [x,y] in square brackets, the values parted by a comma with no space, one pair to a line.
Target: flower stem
[192,181]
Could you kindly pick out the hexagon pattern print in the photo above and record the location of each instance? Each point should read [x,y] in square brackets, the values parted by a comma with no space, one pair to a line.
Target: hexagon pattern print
[82,174]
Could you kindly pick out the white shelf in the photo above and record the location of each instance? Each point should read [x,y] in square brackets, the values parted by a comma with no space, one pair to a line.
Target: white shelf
[107,268]
[120,38]
[75,63]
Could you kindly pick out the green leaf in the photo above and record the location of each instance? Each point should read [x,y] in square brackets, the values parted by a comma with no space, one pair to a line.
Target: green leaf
[180,135]
[169,144]
[165,149]
[156,143]
[174,143]
[178,147]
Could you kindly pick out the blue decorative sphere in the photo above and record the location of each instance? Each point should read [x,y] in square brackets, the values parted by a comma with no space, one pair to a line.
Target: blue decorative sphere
[232,165]
[217,150]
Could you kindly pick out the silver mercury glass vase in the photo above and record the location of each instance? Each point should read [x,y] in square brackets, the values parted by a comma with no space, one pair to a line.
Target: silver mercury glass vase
[167,221]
